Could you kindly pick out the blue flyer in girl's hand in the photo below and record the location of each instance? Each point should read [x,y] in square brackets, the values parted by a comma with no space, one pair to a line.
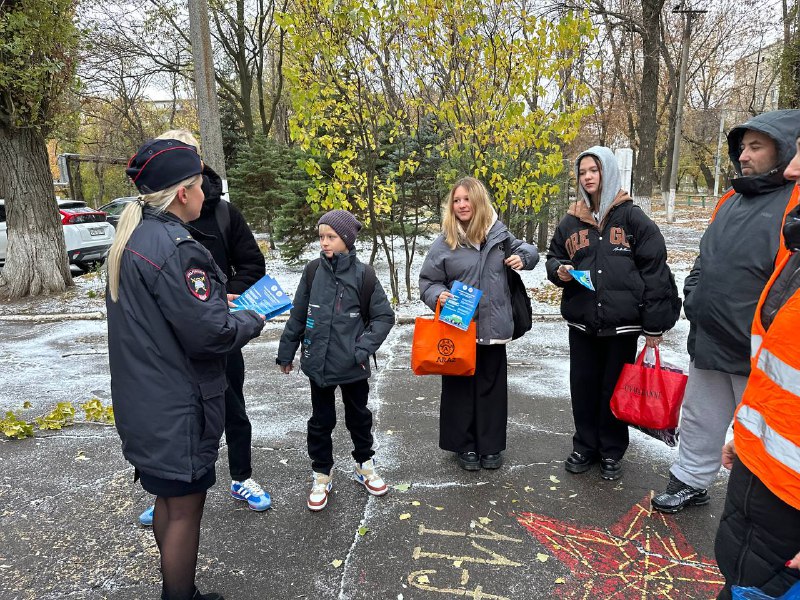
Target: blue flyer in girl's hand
[265,296]
[582,277]
[459,310]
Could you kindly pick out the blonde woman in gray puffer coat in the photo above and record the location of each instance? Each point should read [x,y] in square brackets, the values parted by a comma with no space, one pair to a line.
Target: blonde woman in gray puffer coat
[472,249]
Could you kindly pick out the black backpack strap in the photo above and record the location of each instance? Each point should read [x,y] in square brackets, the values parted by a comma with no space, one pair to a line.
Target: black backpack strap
[311,270]
[366,291]
[365,297]
[222,212]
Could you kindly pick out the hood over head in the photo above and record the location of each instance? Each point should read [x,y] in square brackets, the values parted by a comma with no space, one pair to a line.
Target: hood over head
[782,127]
[610,182]
[212,188]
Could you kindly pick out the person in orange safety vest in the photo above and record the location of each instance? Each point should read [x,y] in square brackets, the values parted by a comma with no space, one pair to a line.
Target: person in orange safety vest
[759,535]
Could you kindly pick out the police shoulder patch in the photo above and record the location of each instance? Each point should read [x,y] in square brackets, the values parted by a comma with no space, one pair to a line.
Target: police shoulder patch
[198,283]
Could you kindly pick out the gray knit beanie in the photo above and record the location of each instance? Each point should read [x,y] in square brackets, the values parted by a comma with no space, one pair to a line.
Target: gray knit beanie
[344,224]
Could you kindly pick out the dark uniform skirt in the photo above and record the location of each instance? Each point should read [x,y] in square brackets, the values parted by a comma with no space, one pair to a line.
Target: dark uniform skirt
[169,488]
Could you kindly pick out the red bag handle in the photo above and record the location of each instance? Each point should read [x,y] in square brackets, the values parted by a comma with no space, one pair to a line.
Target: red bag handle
[640,358]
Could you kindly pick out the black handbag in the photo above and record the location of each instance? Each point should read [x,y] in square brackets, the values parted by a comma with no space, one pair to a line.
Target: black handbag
[520,302]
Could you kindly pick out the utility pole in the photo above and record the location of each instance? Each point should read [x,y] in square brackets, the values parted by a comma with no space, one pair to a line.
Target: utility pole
[718,161]
[676,149]
[206,88]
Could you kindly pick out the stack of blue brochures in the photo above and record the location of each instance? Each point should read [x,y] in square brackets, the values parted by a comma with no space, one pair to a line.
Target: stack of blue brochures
[265,296]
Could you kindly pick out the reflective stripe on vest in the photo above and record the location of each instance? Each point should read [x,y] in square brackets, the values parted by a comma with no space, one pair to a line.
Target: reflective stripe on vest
[777,446]
[755,344]
[784,376]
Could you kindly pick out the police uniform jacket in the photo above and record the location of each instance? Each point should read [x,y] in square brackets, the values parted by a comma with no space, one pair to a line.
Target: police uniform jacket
[168,334]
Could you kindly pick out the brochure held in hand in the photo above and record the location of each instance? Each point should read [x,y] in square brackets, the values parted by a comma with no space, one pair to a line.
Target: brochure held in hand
[265,296]
[459,310]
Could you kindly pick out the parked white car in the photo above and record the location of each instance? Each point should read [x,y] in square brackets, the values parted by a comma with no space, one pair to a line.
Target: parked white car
[87,235]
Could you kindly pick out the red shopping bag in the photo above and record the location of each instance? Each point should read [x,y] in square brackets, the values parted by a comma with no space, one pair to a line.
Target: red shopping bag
[648,396]
[442,349]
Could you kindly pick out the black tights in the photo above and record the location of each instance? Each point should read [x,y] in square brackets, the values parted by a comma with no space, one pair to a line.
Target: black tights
[176,525]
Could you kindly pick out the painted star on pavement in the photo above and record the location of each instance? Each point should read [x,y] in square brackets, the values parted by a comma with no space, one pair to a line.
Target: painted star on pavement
[643,555]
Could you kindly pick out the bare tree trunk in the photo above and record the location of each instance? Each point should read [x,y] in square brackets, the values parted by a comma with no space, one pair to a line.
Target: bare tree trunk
[36,262]
[647,127]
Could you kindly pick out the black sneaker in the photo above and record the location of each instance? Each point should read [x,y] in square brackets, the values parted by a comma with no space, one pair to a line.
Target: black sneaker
[679,495]
[610,469]
[492,461]
[469,461]
[578,463]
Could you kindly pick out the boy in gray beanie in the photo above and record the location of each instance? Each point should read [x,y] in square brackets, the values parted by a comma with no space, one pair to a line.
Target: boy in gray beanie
[337,342]
[344,224]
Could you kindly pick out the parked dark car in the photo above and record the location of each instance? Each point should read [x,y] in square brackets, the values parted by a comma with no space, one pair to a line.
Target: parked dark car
[114,208]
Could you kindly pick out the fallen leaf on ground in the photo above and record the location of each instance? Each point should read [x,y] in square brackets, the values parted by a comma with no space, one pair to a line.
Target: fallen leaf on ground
[554,479]
[542,557]
[362,531]
[415,503]
[405,516]
[423,579]
[485,520]
[336,563]
[402,487]
[560,580]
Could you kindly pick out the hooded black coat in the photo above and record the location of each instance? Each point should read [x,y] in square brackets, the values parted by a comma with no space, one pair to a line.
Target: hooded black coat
[737,253]
[242,260]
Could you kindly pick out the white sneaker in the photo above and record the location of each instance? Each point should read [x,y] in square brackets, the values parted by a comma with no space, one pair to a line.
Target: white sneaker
[318,497]
[366,475]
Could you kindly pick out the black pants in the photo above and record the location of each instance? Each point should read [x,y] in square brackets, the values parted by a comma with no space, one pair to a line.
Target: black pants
[595,363]
[474,409]
[757,534]
[238,432]
[357,418]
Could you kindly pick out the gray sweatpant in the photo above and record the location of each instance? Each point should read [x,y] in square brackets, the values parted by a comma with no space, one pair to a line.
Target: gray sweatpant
[708,405]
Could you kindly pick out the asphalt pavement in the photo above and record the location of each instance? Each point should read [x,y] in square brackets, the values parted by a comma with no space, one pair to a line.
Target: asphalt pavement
[529,530]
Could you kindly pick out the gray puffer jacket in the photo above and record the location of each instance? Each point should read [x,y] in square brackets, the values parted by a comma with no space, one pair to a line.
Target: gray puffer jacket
[327,319]
[483,269]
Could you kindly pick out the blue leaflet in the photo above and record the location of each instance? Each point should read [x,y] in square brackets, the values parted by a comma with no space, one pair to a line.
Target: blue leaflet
[582,277]
[265,296]
[459,310]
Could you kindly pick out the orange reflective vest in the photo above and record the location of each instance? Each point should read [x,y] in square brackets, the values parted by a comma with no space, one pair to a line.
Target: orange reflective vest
[767,422]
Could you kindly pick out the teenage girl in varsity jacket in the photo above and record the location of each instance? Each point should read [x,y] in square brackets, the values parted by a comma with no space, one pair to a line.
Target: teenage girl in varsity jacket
[605,234]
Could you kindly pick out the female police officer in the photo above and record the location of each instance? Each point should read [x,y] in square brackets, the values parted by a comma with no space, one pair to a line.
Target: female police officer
[169,330]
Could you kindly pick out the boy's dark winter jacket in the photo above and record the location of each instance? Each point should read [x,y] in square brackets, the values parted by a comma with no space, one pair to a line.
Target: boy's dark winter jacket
[242,260]
[327,319]
[168,335]
[627,258]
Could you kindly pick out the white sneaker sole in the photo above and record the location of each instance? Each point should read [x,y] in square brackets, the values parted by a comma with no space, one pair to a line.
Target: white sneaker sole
[382,492]
[317,507]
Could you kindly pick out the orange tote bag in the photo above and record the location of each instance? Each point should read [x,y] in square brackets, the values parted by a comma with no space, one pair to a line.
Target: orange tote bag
[442,349]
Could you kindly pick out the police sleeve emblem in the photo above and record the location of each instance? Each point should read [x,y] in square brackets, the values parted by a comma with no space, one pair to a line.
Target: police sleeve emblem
[198,283]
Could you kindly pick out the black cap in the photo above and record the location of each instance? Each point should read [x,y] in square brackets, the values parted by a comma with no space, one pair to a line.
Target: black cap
[159,164]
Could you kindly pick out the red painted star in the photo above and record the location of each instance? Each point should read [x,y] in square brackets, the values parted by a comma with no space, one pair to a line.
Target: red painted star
[643,555]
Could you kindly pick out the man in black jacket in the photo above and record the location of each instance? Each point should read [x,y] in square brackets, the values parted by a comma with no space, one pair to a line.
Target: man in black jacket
[737,257]
[224,232]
